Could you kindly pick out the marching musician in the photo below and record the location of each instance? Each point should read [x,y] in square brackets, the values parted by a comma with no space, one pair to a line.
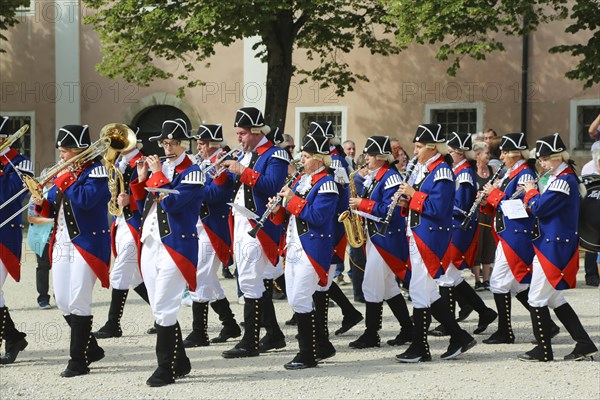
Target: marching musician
[125,241]
[170,197]
[387,253]
[12,164]
[214,243]
[463,245]
[556,259]
[80,245]
[259,174]
[309,241]
[339,164]
[429,232]
[512,267]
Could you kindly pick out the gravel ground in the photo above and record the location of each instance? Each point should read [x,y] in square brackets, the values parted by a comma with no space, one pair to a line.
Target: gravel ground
[486,371]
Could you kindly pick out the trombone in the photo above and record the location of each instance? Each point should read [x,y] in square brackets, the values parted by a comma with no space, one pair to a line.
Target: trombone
[14,137]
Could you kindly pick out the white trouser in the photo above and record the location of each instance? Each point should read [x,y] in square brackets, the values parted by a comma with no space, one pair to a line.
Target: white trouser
[541,292]
[423,288]
[451,278]
[301,279]
[250,259]
[72,278]
[125,272]
[379,283]
[208,287]
[274,272]
[502,280]
[164,282]
[3,275]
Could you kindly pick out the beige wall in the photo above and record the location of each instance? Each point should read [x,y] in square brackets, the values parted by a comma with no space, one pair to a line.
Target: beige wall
[392,103]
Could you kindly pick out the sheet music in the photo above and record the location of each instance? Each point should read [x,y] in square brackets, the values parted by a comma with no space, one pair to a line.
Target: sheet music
[514,209]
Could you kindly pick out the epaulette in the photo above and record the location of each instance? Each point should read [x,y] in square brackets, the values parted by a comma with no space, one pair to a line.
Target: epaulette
[560,185]
[99,172]
[329,187]
[392,180]
[443,173]
[194,178]
[282,155]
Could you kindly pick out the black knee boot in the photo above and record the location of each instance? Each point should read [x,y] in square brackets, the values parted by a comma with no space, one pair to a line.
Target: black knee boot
[306,357]
[370,337]
[504,334]
[274,337]
[523,298]
[325,348]
[198,337]
[15,340]
[398,306]
[81,333]
[447,294]
[460,340]
[540,321]
[351,315]
[166,355]
[419,347]
[112,328]
[230,327]
[182,362]
[466,308]
[584,347]
[248,346]
[486,314]
[142,291]
[95,352]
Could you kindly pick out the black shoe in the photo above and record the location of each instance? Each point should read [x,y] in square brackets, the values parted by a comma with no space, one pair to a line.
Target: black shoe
[151,331]
[536,355]
[455,349]
[485,319]
[298,363]
[292,321]
[479,287]
[349,323]
[439,330]
[160,378]
[109,330]
[95,354]
[366,340]
[266,343]
[195,340]
[400,340]
[12,351]
[239,352]
[325,351]
[498,338]
[464,312]
[414,354]
[228,332]
[69,373]
[593,281]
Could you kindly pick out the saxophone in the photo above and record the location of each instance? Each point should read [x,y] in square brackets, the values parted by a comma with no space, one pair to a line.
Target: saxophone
[353,223]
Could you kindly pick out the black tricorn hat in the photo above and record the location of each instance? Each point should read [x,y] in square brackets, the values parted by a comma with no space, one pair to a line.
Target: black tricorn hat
[73,137]
[172,129]
[316,144]
[276,136]
[210,132]
[323,128]
[251,118]
[4,129]
[460,141]
[513,142]
[378,145]
[134,128]
[429,133]
[551,144]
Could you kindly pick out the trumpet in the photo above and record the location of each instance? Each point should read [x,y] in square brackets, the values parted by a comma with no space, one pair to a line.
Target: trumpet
[261,222]
[396,198]
[161,158]
[480,197]
[221,158]
[521,189]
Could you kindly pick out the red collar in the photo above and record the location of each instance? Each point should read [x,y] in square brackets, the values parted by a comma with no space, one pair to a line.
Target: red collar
[264,147]
[434,164]
[381,172]
[566,171]
[518,170]
[10,155]
[463,166]
[132,162]
[317,177]
[335,152]
[183,165]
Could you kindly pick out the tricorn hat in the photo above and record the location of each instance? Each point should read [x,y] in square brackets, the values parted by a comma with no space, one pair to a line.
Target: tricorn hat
[276,136]
[210,133]
[251,118]
[378,145]
[460,141]
[429,133]
[323,128]
[513,142]
[73,137]
[172,129]
[316,144]
[551,144]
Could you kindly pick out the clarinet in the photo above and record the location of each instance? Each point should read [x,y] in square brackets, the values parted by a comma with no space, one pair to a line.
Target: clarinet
[396,198]
[261,222]
[478,200]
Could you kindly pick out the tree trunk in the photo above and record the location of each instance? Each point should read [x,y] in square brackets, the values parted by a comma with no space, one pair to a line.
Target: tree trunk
[280,43]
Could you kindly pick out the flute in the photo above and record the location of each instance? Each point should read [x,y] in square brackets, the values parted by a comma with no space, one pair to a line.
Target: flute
[396,198]
[161,158]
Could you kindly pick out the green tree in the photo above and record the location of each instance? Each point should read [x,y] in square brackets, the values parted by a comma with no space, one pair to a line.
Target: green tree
[8,16]
[137,33]
[471,28]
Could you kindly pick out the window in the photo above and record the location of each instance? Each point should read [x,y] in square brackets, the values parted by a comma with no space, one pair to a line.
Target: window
[583,113]
[456,117]
[306,115]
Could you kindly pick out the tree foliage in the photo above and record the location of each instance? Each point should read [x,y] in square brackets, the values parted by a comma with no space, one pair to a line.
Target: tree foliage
[469,28]
[8,16]
[137,33]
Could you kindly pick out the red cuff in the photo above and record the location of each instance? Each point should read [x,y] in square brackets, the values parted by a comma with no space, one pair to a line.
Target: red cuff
[44,209]
[132,204]
[249,177]
[530,194]
[221,179]
[295,205]
[64,181]
[367,206]
[279,217]
[487,209]
[157,179]
[495,197]
[138,189]
[417,201]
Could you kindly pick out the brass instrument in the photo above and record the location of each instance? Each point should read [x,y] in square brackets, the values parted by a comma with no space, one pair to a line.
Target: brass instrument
[14,137]
[353,223]
[521,189]
[207,169]
[161,158]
